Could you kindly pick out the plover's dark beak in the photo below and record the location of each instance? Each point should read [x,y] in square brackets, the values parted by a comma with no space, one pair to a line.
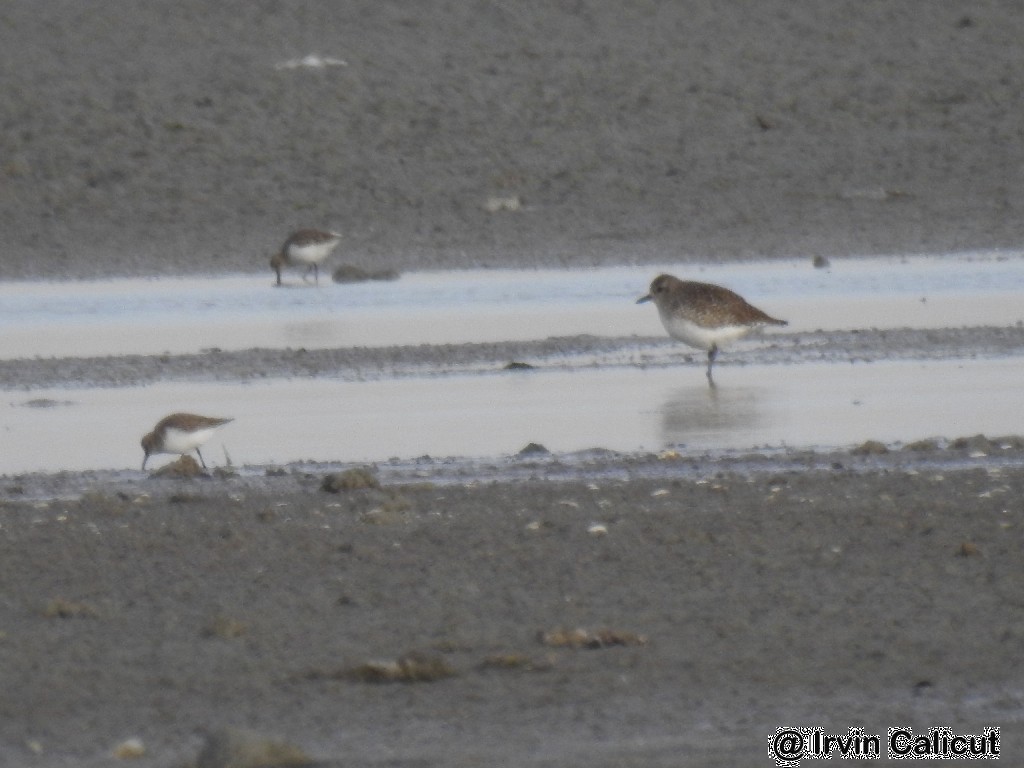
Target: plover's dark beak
[642,299]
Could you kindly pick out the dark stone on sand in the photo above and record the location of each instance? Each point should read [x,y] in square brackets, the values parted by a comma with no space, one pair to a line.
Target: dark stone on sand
[59,608]
[413,667]
[517,366]
[353,479]
[977,443]
[583,638]
[534,449]
[870,448]
[45,402]
[1009,442]
[922,446]
[348,273]
[968,549]
[983,444]
[921,686]
[184,498]
[820,262]
[185,466]
[224,627]
[240,748]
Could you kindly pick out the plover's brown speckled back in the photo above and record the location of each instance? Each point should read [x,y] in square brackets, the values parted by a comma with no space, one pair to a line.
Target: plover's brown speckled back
[703,315]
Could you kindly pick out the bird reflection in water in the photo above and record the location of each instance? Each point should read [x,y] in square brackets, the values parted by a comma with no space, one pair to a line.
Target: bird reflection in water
[307,332]
[704,415]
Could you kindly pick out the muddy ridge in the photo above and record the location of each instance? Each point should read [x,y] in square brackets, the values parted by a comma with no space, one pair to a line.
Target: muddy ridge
[362,363]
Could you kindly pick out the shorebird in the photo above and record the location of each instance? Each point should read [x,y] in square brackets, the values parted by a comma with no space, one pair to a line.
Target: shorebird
[306,247]
[180,433]
[703,315]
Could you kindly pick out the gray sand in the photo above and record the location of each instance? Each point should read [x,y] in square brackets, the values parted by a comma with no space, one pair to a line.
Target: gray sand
[831,590]
[141,140]
[806,590]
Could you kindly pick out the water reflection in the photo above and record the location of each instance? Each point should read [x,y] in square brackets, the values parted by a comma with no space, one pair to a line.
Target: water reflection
[184,315]
[312,333]
[621,409]
[693,414]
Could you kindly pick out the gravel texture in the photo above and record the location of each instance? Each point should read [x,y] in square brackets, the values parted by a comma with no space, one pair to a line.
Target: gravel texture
[194,620]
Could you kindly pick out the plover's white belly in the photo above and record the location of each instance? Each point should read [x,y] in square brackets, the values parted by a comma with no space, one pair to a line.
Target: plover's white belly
[698,336]
[313,253]
[179,441]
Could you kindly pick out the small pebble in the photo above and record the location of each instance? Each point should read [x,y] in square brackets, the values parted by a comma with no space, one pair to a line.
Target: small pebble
[129,749]
[350,480]
[238,748]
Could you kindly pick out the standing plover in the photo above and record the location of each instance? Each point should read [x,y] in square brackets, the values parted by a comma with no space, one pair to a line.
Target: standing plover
[704,315]
[180,433]
[306,247]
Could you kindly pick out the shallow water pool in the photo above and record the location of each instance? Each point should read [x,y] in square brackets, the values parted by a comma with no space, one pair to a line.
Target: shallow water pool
[623,409]
[492,413]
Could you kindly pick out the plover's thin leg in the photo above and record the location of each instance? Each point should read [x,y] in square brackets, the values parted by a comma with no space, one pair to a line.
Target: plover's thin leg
[712,354]
[200,458]
[316,274]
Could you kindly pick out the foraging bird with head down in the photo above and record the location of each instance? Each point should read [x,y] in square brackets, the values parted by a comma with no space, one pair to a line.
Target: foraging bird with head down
[703,315]
[305,247]
[180,433]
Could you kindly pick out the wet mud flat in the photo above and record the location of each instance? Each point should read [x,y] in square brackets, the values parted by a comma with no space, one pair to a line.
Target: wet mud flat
[626,394]
[553,353]
[588,609]
[729,594]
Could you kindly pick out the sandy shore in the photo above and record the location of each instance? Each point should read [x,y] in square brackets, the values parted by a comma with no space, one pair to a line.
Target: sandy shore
[748,592]
[143,141]
[761,591]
